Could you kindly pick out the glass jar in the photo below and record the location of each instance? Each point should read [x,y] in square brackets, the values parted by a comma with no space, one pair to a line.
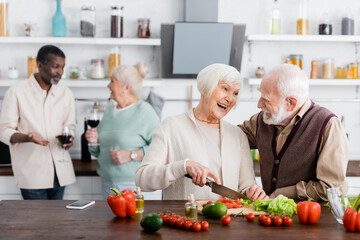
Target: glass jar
[191,208]
[296,59]
[32,66]
[340,72]
[74,72]
[87,21]
[302,23]
[143,28]
[139,200]
[275,19]
[13,73]
[116,22]
[355,70]
[4,9]
[114,60]
[347,24]
[97,69]
[260,72]
[328,69]
[325,28]
[349,72]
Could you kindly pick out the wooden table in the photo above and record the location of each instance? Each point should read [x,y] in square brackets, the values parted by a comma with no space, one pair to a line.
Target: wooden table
[43,219]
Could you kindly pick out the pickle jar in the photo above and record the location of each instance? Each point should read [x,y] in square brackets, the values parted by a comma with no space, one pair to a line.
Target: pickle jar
[143,28]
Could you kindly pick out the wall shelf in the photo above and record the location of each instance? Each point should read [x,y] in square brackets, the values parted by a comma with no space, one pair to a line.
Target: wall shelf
[84,83]
[317,82]
[302,38]
[83,41]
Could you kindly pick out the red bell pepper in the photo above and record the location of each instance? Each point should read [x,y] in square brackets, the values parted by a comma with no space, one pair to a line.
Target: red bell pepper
[122,203]
[308,211]
[351,220]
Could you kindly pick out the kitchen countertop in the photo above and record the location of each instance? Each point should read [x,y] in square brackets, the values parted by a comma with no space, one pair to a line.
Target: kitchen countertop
[89,168]
[49,219]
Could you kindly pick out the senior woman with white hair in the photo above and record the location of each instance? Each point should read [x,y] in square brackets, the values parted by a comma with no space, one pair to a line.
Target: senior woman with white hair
[201,144]
[125,130]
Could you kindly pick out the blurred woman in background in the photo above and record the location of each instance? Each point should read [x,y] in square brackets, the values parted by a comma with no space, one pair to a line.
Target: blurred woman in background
[125,131]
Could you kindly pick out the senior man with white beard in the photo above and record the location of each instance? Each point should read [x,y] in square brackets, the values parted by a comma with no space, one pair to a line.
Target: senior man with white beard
[303,147]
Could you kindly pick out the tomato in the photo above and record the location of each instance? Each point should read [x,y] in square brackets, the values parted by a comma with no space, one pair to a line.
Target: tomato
[179,223]
[161,214]
[165,219]
[172,221]
[277,221]
[351,220]
[204,225]
[287,221]
[215,210]
[226,219]
[250,217]
[151,222]
[188,225]
[261,217]
[308,212]
[266,221]
[196,227]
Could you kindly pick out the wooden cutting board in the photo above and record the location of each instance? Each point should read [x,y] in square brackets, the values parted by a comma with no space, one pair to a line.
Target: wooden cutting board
[233,211]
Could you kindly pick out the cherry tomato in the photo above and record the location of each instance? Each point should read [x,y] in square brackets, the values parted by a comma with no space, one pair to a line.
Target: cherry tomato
[179,223]
[165,219]
[287,221]
[204,225]
[250,217]
[172,221]
[226,219]
[161,214]
[266,221]
[196,227]
[188,225]
[271,216]
[277,221]
[261,217]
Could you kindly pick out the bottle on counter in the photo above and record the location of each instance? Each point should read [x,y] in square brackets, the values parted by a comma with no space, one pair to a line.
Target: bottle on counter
[325,27]
[314,70]
[275,19]
[139,200]
[116,22]
[58,22]
[85,154]
[302,23]
[191,208]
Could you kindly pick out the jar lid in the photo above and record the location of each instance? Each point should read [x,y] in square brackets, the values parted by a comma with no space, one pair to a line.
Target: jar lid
[31,57]
[143,20]
[117,7]
[97,61]
[88,8]
[12,68]
[296,56]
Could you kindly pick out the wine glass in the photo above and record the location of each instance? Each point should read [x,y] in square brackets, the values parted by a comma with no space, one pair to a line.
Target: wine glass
[93,121]
[64,138]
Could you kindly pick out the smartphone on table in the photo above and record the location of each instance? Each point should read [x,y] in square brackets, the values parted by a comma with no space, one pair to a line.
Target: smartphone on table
[80,204]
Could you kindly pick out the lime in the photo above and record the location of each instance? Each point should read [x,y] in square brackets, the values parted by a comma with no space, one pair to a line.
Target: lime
[151,222]
[215,210]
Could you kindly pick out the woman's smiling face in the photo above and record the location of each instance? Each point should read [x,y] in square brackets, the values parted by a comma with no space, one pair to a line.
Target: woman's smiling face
[223,99]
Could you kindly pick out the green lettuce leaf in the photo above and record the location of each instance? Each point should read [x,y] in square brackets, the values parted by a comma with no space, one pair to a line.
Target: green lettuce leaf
[276,206]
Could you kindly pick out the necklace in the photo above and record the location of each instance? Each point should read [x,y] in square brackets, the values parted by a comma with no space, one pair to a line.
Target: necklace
[204,121]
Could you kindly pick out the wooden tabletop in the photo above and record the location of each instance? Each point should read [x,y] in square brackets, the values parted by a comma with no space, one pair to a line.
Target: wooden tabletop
[89,168]
[30,219]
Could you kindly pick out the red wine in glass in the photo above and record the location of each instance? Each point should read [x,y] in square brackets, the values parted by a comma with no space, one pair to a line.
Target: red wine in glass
[93,123]
[64,139]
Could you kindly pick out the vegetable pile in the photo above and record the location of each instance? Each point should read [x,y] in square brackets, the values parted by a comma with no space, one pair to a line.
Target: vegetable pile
[181,222]
[278,205]
[228,203]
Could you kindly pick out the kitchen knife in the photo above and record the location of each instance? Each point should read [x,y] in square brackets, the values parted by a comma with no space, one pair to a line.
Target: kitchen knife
[222,190]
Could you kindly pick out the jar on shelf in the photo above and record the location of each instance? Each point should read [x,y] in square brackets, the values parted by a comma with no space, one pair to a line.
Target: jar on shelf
[328,69]
[4,9]
[87,21]
[349,72]
[347,24]
[32,66]
[74,72]
[296,59]
[355,70]
[116,22]
[114,60]
[314,70]
[302,23]
[275,19]
[340,72]
[12,73]
[143,28]
[260,72]
[97,69]
[325,27]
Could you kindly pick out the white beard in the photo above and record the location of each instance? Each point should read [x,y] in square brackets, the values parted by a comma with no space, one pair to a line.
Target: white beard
[275,119]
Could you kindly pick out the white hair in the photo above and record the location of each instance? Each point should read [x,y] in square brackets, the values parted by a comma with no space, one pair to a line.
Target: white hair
[291,81]
[132,75]
[209,77]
